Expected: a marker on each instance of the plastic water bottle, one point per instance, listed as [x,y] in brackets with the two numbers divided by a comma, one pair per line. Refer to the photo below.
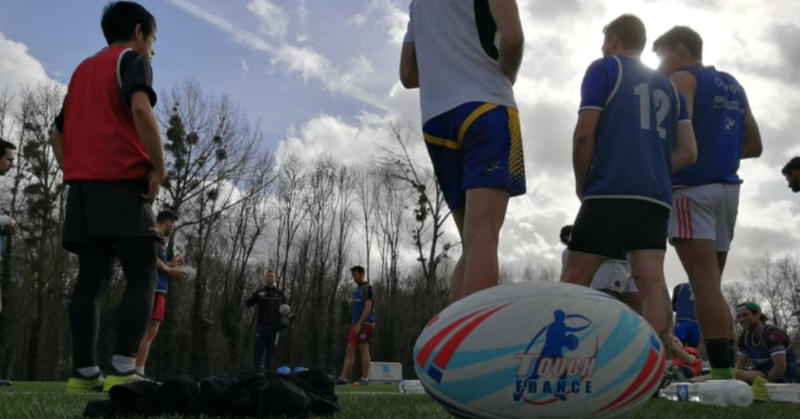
[787,393]
[724,393]
[411,387]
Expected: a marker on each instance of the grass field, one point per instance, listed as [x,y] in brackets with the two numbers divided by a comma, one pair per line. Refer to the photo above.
[47,400]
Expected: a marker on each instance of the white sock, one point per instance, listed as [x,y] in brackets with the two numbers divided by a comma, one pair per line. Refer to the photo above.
[140,370]
[123,363]
[88,371]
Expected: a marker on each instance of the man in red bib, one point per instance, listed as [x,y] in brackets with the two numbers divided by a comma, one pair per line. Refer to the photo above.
[108,144]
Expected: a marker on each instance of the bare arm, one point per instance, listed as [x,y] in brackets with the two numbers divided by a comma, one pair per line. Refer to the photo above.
[506,17]
[741,361]
[687,86]
[751,143]
[147,128]
[409,73]
[57,142]
[685,151]
[685,356]
[366,312]
[583,146]
[778,368]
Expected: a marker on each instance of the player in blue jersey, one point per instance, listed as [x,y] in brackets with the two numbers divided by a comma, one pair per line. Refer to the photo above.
[765,348]
[686,328]
[632,131]
[167,271]
[362,327]
[706,194]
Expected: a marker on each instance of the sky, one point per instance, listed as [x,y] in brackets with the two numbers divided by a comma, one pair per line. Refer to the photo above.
[320,76]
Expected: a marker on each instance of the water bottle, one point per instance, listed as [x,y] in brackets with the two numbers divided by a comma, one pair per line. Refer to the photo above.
[724,393]
[787,393]
[411,387]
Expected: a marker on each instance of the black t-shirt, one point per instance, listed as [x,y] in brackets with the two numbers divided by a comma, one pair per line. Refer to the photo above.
[135,74]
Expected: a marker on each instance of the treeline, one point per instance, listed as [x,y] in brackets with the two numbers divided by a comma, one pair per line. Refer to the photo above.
[242,211]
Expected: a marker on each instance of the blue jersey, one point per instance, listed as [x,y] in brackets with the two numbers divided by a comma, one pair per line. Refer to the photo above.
[163,281]
[633,144]
[683,302]
[773,342]
[720,105]
[357,301]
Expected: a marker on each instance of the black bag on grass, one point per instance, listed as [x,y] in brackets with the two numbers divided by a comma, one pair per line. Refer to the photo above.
[242,394]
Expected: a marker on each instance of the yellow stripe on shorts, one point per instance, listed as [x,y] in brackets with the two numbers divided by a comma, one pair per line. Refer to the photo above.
[516,160]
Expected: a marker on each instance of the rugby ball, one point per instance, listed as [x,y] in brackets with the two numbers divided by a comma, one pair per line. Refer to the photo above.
[190,272]
[539,350]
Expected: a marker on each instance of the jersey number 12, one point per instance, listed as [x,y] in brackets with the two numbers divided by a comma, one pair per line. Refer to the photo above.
[661,99]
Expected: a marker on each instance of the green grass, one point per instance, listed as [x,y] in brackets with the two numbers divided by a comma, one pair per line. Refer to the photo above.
[47,400]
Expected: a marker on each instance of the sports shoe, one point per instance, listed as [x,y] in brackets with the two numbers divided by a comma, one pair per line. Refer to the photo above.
[80,384]
[363,382]
[340,381]
[116,378]
[760,390]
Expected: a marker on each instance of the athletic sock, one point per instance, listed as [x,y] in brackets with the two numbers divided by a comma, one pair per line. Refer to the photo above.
[123,364]
[722,373]
[719,358]
[732,350]
[88,371]
[140,370]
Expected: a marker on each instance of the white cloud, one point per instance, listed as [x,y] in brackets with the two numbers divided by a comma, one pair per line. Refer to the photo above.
[753,42]
[245,67]
[17,66]
[274,21]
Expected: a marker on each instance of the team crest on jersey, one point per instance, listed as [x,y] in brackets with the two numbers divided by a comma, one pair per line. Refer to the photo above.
[548,373]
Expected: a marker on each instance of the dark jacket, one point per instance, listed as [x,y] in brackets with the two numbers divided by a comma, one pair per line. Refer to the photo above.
[268,305]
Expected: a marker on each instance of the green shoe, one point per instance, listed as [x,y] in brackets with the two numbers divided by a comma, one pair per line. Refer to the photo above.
[79,384]
[760,390]
[116,378]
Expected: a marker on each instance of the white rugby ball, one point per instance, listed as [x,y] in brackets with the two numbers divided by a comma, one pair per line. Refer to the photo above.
[539,350]
[190,272]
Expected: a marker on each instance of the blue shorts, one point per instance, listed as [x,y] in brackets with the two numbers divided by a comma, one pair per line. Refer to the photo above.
[688,332]
[476,145]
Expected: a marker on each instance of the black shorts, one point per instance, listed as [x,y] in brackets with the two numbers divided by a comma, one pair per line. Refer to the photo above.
[613,227]
[107,210]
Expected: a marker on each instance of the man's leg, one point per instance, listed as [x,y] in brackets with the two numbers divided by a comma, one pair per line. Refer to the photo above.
[633,300]
[699,259]
[269,345]
[457,282]
[95,266]
[647,266]
[259,345]
[483,217]
[748,375]
[144,346]
[138,259]
[349,356]
[365,359]
[580,268]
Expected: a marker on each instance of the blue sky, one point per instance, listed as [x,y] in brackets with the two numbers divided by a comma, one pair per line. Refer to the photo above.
[190,48]
[320,76]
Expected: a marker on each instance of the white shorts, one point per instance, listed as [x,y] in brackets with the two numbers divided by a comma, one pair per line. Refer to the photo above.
[614,275]
[705,212]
